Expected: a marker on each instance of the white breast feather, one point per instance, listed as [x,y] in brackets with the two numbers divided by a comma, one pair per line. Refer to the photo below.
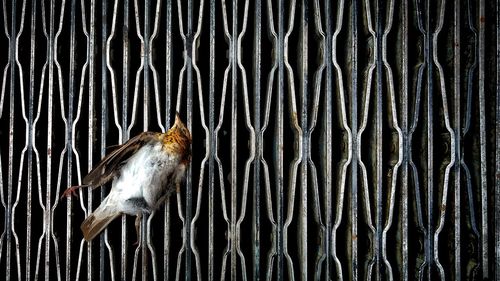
[144,175]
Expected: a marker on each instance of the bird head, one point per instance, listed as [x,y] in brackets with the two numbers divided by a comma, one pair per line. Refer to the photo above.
[180,128]
[178,138]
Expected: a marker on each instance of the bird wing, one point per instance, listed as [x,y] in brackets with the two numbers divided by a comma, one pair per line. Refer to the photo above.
[111,164]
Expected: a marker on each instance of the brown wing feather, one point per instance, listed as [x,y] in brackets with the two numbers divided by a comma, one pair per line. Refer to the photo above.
[110,165]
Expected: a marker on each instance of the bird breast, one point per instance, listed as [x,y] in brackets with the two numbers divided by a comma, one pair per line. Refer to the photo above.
[145,176]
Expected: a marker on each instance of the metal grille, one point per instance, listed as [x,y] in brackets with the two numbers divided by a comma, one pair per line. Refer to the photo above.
[350,140]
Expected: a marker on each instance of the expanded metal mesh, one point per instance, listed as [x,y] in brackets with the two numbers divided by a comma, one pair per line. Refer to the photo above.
[351,140]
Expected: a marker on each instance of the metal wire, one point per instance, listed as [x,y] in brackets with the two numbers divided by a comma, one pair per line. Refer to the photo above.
[358,140]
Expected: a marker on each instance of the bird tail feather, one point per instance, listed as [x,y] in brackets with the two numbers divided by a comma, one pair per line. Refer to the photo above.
[97,221]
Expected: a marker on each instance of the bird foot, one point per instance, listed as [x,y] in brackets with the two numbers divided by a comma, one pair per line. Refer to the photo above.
[71,191]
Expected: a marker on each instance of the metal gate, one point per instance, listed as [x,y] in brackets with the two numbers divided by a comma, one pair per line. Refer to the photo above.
[331,139]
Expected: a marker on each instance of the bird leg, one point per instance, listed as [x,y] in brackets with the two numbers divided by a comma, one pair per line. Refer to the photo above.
[138,219]
[71,191]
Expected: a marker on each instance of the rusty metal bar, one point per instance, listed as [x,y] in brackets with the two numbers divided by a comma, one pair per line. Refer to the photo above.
[302,113]
[212,147]
[168,107]
[91,112]
[354,173]
[103,239]
[256,195]
[405,145]
[457,128]
[482,140]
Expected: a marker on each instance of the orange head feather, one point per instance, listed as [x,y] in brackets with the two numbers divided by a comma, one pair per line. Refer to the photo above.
[178,138]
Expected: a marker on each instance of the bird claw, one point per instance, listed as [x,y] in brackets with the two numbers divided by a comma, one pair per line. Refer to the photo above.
[71,191]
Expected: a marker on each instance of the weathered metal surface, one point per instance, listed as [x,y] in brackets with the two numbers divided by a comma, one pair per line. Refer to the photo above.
[350,140]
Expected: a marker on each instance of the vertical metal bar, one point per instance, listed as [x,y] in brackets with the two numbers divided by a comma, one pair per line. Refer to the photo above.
[429,242]
[227,249]
[106,65]
[184,218]
[144,253]
[168,62]
[69,130]
[29,190]
[150,246]
[406,145]
[106,49]
[125,124]
[2,195]
[186,70]
[442,203]
[50,92]
[125,91]
[378,140]
[74,123]
[213,140]
[318,75]
[234,132]
[42,81]
[373,261]
[457,128]
[145,90]
[12,75]
[189,108]
[168,103]
[151,39]
[91,109]
[257,74]
[483,141]
[146,113]
[297,132]
[278,147]
[140,34]
[166,238]
[471,73]
[12,205]
[353,216]
[273,251]
[393,171]
[303,71]
[201,180]
[25,148]
[53,206]
[104,124]
[327,137]
[251,142]
[416,114]
[137,78]
[348,148]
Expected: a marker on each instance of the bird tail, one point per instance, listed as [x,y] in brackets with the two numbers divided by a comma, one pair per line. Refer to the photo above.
[98,220]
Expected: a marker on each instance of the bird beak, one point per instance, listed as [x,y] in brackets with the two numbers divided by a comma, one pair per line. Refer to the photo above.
[178,120]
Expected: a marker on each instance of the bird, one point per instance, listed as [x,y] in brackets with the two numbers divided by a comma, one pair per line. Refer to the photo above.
[144,171]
